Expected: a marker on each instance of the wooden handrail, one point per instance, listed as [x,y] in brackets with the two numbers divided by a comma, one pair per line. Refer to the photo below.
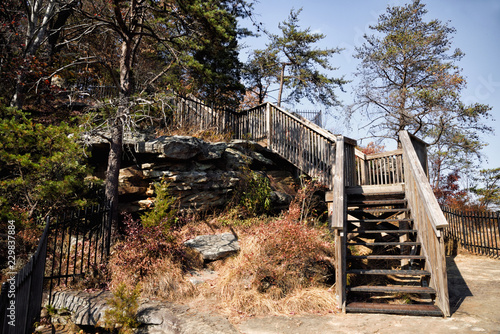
[383,154]
[423,187]
[427,217]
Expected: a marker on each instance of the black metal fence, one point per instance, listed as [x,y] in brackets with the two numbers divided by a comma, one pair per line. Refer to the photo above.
[315,116]
[21,296]
[71,245]
[478,232]
[78,242]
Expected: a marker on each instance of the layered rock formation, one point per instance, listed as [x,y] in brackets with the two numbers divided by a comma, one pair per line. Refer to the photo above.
[201,175]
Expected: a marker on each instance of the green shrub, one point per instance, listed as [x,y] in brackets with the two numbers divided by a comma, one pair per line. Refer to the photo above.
[164,211]
[255,193]
[122,312]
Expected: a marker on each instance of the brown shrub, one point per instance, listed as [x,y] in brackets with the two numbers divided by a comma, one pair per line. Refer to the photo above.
[150,257]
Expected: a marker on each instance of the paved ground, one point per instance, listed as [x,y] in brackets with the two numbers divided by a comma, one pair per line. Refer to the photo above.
[474,285]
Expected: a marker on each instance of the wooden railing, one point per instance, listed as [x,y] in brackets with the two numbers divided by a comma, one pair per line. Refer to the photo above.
[193,113]
[379,168]
[427,215]
[251,124]
[343,176]
[303,143]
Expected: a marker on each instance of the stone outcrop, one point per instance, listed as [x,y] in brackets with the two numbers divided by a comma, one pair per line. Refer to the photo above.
[88,309]
[201,175]
[214,247]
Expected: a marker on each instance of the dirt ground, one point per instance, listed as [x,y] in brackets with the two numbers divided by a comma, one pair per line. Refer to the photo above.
[474,286]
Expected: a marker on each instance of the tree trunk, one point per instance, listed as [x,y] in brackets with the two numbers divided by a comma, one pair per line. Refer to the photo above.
[113,170]
[282,78]
[117,127]
[17,100]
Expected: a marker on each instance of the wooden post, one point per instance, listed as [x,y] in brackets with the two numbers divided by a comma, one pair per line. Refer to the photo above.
[338,221]
[269,126]
[339,185]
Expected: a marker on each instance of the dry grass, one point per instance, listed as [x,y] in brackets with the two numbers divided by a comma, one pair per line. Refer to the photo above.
[281,269]
[209,135]
[302,301]
[167,282]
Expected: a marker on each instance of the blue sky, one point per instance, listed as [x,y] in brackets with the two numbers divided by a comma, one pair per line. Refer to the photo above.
[477,25]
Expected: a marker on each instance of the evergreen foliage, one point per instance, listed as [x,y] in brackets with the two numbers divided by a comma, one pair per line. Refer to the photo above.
[122,312]
[489,193]
[42,168]
[164,211]
[255,197]
[294,62]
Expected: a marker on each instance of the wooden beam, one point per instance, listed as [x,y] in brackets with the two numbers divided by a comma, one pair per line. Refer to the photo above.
[360,154]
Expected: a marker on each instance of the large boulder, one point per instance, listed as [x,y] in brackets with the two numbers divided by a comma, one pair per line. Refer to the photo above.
[214,247]
[172,147]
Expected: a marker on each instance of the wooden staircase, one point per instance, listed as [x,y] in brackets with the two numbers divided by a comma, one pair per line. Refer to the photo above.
[397,239]
[385,265]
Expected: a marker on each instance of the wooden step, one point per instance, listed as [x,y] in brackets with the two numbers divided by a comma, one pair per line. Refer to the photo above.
[408,243]
[389,272]
[391,289]
[388,202]
[395,210]
[361,231]
[386,257]
[408,309]
[404,220]
[376,190]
